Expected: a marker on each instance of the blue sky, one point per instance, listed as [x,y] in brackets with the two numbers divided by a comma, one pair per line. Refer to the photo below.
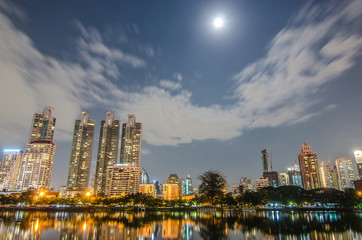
[278,73]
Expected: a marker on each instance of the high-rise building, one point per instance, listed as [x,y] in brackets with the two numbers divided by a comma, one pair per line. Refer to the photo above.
[188,185]
[144,179]
[131,142]
[42,128]
[81,153]
[261,183]
[265,159]
[325,174]
[36,166]
[272,177]
[346,174]
[294,177]
[37,160]
[122,179]
[9,167]
[283,179]
[173,178]
[308,163]
[107,150]
[171,191]
[149,189]
[246,185]
[358,158]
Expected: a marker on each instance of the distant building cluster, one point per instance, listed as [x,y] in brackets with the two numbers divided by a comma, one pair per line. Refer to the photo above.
[308,173]
[32,168]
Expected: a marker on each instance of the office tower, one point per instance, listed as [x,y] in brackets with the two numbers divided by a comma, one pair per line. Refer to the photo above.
[283,179]
[122,179]
[189,185]
[36,166]
[158,187]
[81,153]
[171,191]
[294,177]
[246,185]
[42,128]
[9,167]
[149,189]
[358,158]
[107,150]
[325,174]
[144,179]
[346,174]
[265,158]
[131,142]
[308,163]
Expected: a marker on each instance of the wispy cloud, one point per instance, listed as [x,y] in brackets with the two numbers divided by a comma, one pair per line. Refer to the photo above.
[322,42]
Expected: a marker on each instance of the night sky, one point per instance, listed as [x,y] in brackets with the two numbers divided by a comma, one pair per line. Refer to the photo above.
[276,74]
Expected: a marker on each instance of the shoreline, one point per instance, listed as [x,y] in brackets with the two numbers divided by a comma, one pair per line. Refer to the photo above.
[95,209]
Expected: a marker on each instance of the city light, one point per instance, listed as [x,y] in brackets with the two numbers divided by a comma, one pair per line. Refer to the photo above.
[12,150]
[41,193]
[88,194]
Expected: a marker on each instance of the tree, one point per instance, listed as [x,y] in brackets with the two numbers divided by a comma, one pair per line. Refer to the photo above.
[212,185]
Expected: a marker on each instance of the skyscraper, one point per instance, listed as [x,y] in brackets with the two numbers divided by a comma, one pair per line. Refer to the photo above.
[131,142]
[265,158]
[9,168]
[325,174]
[81,153]
[107,150]
[358,158]
[37,160]
[295,179]
[346,174]
[42,128]
[308,163]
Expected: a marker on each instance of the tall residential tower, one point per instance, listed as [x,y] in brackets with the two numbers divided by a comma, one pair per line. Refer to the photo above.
[81,153]
[37,160]
[107,150]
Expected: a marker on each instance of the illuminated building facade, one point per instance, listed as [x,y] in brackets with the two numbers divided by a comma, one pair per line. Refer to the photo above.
[272,177]
[131,142]
[346,174]
[261,183]
[81,153]
[36,166]
[283,179]
[308,163]
[294,177]
[107,150]
[325,174]
[43,125]
[9,167]
[149,189]
[36,162]
[188,186]
[122,179]
[358,158]
[144,179]
[171,191]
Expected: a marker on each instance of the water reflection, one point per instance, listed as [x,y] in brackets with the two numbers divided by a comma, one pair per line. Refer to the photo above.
[180,225]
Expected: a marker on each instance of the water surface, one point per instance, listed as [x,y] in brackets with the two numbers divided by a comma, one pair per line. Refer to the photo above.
[180,225]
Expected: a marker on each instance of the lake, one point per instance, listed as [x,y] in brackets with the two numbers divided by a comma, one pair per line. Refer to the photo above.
[181,225]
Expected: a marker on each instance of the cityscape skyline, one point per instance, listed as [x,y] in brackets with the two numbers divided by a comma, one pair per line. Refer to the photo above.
[32,168]
[272,76]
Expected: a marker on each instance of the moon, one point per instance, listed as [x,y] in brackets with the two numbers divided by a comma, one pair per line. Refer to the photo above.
[219,22]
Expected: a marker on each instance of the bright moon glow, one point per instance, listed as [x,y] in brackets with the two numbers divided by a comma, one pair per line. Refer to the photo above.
[218,22]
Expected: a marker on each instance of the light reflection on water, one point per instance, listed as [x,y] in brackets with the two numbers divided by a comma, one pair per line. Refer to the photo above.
[180,225]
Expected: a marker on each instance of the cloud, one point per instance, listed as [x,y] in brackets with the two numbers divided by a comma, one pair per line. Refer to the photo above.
[170,84]
[317,46]
[145,151]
